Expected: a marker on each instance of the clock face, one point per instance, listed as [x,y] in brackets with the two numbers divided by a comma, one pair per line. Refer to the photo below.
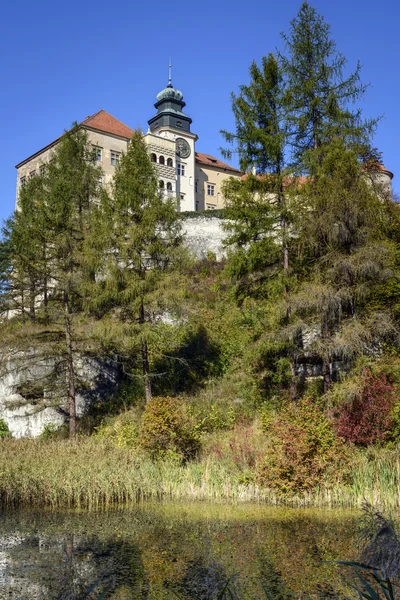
[182,148]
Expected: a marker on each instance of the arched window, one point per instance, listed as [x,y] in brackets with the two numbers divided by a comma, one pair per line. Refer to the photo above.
[161,160]
[153,158]
[169,185]
[161,184]
[169,162]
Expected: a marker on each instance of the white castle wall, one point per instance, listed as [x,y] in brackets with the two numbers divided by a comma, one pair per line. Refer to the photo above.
[203,235]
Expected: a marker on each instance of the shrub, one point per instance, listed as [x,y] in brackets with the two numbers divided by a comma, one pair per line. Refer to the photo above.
[304,452]
[54,431]
[368,418]
[4,431]
[122,431]
[168,430]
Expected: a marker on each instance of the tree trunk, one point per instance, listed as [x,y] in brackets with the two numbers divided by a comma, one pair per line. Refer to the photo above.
[32,296]
[285,248]
[326,359]
[145,365]
[326,371]
[70,374]
[145,361]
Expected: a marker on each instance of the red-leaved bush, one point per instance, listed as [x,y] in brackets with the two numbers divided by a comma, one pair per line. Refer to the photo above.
[304,452]
[367,419]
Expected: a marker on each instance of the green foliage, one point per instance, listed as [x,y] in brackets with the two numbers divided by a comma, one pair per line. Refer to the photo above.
[4,430]
[47,237]
[304,453]
[123,430]
[167,429]
[259,109]
[54,431]
[220,213]
[136,240]
[318,96]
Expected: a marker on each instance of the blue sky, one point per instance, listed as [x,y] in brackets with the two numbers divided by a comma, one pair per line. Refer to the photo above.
[63,61]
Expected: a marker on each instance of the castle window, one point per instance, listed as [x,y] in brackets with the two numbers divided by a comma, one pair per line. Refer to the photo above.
[97,153]
[180,169]
[169,186]
[153,158]
[114,158]
[22,180]
[210,189]
[161,160]
[161,184]
[32,174]
[42,170]
[169,162]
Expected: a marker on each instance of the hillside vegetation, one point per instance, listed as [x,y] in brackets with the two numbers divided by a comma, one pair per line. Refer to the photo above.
[272,375]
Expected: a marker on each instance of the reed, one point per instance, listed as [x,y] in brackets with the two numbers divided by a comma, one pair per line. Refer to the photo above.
[92,473]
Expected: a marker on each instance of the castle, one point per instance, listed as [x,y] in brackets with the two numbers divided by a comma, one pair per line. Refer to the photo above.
[192,177]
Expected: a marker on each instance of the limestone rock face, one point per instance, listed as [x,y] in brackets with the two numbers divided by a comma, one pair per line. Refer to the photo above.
[28,403]
[204,235]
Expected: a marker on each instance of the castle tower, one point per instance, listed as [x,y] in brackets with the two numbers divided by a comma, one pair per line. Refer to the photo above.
[170,123]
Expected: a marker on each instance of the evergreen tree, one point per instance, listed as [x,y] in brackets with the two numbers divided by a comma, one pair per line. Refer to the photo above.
[26,233]
[260,137]
[347,252]
[318,95]
[258,206]
[5,264]
[46,237]
[71,184]
[138,232]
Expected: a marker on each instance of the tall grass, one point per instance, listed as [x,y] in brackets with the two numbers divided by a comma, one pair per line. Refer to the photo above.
[92,473]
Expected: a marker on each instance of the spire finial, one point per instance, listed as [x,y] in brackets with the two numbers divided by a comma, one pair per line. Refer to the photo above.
[170,73]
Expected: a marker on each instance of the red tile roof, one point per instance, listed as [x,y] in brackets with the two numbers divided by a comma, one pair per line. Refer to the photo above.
[211,161]
[374,166]
[103,121]
[100,121]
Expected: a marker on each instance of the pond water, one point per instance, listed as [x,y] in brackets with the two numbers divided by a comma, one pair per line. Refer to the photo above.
[164,551]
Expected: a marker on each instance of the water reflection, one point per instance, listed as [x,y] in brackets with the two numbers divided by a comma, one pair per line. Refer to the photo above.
[159,552]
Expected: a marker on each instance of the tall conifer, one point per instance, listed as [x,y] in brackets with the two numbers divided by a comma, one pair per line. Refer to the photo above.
[139,234]
[319,96]
[47,239]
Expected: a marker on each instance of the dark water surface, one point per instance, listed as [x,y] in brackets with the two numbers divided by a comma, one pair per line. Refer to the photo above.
[164,551]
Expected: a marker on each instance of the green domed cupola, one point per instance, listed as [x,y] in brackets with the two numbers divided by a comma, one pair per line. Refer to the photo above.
[169,92]
[169,107]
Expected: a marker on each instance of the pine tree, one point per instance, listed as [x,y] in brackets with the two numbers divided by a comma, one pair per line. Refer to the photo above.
[258,206]
[345,243]
[71,184]
[26,233]
[319,97]
[260,137]
[138,232]
[5,264]
[47,237]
